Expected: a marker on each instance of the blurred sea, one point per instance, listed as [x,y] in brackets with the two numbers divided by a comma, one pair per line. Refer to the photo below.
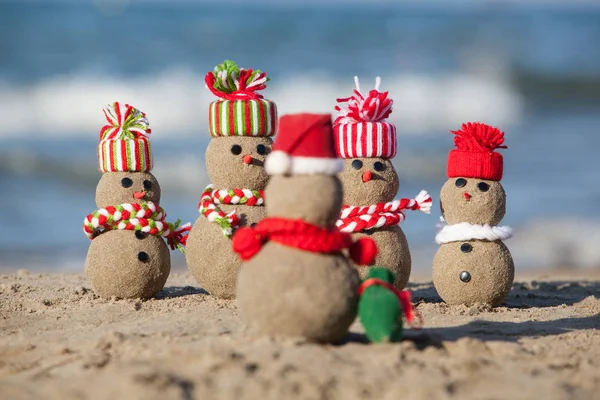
[531,69]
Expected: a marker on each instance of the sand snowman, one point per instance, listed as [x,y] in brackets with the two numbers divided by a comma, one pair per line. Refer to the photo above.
[367,143]
[296,280]
[472,264]
[241,124]
[128,257]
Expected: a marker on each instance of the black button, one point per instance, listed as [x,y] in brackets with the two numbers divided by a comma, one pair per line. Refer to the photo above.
[126,182]
[261,149]
[252,225]
[484,187]
[143,256]
[466,247]
[140,235]
[368,232]
[357,164]
[236,149]
[465,276]
[147,185]
[378,166]
[460,182]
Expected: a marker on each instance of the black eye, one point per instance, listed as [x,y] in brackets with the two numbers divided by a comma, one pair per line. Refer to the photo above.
[141,235]
[143,256]
[484,187]
[147,185]
[466,248]
[261,149]
[460,182]
[236,149]
[368,232]
[126,182]
[357,164]
[465,276]
[378,166]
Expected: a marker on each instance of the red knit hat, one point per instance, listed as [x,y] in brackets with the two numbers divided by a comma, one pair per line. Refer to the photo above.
[361,130]
[474,156]
[304,145]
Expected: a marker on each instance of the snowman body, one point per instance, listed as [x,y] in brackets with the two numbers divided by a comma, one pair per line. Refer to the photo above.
[128,256]
[367,142]
[285,291]
[124,265]
[297,279]
[241,123]
[231,162]
[369,181]
[473,265]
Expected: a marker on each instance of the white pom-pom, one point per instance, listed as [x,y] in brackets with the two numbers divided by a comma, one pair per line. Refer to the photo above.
[278,163]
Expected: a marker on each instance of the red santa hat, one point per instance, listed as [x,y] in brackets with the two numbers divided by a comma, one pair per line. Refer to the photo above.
[361,130]
[304,146]
[474,156]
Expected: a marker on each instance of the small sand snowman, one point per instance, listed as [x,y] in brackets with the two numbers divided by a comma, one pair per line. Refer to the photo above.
[296,280]
[367,143]
[241,124]
[128,257]
[472,264]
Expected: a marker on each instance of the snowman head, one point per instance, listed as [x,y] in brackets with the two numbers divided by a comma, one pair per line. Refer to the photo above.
[234,162]
[127,187]
[473,192]
[369,181]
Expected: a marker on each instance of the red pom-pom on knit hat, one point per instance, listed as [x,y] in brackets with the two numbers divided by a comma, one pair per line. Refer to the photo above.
[474,156]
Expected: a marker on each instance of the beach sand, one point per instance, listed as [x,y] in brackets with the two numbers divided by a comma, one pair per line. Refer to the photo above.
[60,341]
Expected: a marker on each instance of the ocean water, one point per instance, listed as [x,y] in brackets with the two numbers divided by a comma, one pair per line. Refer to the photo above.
[532,70]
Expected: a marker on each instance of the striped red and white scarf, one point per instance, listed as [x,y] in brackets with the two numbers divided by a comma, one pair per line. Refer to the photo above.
[210,199]
[358,219]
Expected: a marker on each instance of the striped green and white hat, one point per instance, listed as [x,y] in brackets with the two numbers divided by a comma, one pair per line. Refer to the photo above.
[124,145]
[240,111]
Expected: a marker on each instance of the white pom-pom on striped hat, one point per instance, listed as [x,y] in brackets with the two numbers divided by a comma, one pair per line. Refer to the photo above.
[124,145]
[361,129]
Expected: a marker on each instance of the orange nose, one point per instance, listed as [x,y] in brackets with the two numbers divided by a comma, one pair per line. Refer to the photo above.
[247,159]
[139,195]
[467,196]
[367,176]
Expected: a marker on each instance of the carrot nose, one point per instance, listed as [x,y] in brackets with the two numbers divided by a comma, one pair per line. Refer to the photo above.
[367,176]
[247,159]
[139,195]
[467,196]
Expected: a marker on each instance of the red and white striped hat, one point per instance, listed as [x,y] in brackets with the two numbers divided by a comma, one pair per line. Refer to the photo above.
[361,130]
[124,145]
[241,110]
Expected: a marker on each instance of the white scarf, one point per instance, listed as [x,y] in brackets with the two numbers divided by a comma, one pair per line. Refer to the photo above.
[465,231]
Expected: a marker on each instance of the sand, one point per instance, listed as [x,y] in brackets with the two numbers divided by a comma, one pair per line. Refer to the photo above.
[60,341]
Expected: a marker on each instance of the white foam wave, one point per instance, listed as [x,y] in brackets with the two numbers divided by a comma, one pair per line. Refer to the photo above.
[558,242]
[177,102]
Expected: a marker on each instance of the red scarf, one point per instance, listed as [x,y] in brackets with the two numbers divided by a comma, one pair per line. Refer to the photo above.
[296,233]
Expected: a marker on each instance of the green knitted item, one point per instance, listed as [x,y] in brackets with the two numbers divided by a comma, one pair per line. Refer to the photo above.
[379,309]
[228,75]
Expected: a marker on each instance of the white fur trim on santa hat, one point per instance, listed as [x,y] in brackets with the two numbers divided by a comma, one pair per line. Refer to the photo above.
[465,231]
[280,163]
